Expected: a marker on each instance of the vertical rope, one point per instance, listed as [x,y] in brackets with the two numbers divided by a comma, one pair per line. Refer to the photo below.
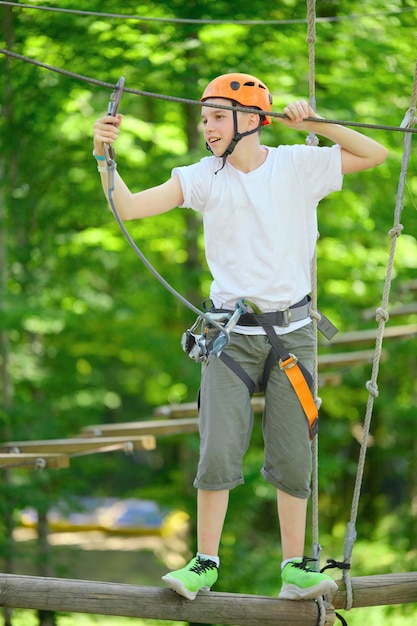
[313,141]
[382,317]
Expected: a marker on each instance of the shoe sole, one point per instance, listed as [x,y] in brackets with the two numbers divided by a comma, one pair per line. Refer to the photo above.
[292,592]
[177,585]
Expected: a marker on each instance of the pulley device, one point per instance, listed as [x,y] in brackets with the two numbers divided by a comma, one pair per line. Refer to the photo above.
[196,346]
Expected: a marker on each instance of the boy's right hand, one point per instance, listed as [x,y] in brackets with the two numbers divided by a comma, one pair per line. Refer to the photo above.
[106,130]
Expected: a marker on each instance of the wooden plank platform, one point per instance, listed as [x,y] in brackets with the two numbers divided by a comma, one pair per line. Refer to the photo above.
[34,461]
[158,428]
[385,589]
[80,445]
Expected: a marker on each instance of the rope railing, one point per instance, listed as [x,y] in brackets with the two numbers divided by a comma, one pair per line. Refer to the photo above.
[382,317]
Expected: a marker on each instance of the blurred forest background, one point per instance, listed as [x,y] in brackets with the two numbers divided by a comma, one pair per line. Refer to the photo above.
[89,336]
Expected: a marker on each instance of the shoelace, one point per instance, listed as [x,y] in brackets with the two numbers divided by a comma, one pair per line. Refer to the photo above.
[202,566]
[303,565]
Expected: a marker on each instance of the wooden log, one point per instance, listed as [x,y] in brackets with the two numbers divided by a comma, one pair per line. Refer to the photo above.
[189,409]
[343,359]
[158,428]
[79,445]
[81,596]
[404,309]
[34,461]
[359,336]
[378,590]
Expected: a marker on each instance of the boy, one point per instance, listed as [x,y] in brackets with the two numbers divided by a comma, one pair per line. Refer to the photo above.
[259,211]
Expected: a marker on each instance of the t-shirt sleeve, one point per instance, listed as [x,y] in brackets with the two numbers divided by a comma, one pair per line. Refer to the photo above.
[319,169]
[195,183]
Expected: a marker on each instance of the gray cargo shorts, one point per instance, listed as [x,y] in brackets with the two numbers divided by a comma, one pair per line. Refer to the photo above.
[226,417]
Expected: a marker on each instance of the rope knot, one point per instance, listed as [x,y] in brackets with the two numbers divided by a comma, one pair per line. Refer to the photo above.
[382,315]
[372,388]
[314,314]
[395,230]
[312,139]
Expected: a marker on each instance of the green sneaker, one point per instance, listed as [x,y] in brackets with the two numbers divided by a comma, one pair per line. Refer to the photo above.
[302,583]
[199,575]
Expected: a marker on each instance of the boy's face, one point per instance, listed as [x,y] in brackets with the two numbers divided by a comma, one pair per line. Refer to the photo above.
[218,125]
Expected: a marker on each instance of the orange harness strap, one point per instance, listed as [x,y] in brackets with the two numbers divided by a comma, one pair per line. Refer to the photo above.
[298,381]
[299,377]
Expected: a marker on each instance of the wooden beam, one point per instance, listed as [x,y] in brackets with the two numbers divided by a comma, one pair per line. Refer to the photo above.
[79,445]
[81,596]
[404,309]
[86,596]
[34,461]
[359,336]
[158,428]
[379,590]
[408,285]
[344,359]
[189,409]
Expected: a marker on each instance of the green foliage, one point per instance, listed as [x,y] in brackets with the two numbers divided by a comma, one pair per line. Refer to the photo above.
[94,338]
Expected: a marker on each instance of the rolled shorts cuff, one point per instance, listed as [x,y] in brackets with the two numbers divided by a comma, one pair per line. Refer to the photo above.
[198,484]
[304,494]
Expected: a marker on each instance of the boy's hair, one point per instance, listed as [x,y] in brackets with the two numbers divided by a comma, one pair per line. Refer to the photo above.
[243,89]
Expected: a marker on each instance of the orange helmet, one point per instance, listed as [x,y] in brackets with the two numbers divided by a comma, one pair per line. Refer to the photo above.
[245,89]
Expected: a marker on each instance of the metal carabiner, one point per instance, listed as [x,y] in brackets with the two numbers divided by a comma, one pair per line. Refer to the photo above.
[112,110]
[222,340]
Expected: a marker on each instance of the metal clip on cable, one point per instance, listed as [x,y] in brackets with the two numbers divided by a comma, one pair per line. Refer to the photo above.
[112,110]
[222,340]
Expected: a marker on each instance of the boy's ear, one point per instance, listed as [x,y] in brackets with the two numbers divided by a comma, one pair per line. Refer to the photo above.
[254,120]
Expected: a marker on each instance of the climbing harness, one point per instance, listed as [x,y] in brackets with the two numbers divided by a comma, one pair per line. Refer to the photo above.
[198,348]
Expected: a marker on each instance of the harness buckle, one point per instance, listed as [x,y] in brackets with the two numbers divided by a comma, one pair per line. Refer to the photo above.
[288,363]
[286,317]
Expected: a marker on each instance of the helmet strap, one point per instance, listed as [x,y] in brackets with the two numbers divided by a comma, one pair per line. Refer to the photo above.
[236,137]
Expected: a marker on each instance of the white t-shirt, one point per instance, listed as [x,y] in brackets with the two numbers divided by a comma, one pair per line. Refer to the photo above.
[260,228]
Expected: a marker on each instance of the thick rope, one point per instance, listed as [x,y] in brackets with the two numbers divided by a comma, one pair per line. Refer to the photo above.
[321,621]
[312,140]
[311,40]
[382,317]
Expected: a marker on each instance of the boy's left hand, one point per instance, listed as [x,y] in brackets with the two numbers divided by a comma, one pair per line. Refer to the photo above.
[297,112]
